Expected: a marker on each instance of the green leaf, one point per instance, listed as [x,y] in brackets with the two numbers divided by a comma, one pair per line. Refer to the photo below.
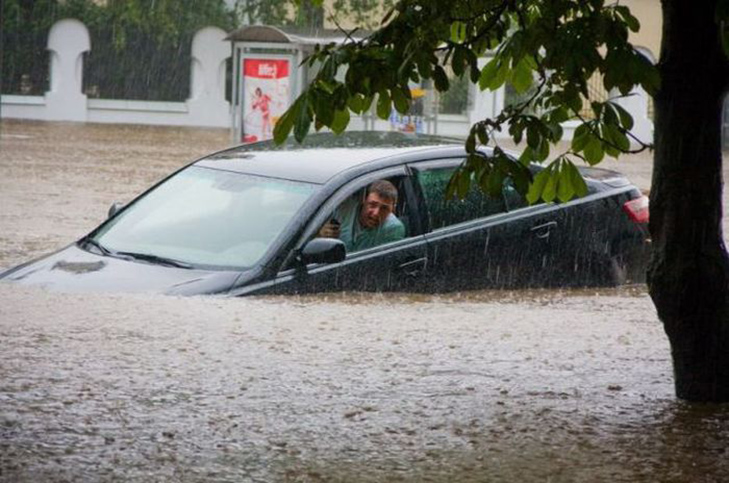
[521,176]
[495,183]
[516,130]
[464,184]
[522,77]
[559,115]
[440,78]
[356,103]
[550,186]
[303,119]
[456,32]
[341,121]
[482,133]
[329,70]
[527,156]
[534,137]
[593,151]
[285,123]
[580,138]
[573,100]
[323,107]
[628,18]
[578,182]
[535,190]
[565,190]
[471,142]
[402,104]
[384,106]
[618,138]
[488,73]
[493,74]
[556,132]
[626,120]
[458,64]
[367,103]
[542,151]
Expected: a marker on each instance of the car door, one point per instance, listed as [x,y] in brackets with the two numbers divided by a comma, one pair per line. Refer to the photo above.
[396,266]
[479,241]
[540,232]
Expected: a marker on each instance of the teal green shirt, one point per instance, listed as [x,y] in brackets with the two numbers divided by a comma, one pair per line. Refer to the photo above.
[356,238]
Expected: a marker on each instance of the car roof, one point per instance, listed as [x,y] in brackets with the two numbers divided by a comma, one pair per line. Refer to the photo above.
[322,156]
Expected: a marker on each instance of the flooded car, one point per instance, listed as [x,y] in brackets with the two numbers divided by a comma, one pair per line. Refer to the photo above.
[249,220]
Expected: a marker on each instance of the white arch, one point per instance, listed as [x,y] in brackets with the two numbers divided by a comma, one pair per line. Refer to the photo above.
[68,39]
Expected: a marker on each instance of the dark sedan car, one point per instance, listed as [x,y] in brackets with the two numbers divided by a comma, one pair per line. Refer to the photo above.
[246,220]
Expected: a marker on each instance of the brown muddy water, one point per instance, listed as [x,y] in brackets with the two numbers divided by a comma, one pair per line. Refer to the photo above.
[548,386]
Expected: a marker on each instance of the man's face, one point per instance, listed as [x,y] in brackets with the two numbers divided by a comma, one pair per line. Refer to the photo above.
[374,210]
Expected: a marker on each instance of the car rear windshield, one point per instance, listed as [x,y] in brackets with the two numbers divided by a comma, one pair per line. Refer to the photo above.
[207,217]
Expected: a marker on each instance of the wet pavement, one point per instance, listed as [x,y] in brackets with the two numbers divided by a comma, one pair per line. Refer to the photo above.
[540,385]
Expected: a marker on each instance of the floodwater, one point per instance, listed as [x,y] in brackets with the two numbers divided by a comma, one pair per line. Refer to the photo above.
[540,385]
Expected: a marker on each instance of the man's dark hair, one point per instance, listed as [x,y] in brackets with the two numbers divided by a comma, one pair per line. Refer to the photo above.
[383,189]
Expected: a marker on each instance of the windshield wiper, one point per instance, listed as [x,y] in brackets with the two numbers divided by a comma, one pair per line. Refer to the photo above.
[154,259]
[97,245]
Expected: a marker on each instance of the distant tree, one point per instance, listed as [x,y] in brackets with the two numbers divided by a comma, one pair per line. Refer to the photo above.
[551,49]
[310,13]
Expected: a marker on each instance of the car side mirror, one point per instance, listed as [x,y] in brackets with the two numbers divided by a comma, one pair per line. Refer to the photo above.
[323,250]
[115,208]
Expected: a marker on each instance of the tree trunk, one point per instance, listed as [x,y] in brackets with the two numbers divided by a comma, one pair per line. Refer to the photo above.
[688,276]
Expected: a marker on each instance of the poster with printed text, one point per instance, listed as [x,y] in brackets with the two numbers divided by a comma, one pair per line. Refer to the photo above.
[266,94]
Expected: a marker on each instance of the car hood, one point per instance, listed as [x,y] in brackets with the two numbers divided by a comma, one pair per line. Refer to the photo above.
[74,270]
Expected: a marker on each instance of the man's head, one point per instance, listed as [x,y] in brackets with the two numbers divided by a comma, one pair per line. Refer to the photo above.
[378,204]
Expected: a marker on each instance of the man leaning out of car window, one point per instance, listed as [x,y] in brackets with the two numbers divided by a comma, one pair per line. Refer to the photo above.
[362,224]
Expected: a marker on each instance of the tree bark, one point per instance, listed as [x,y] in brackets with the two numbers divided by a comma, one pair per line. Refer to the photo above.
[688,276]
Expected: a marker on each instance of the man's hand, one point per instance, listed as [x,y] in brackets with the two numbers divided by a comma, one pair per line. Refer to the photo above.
[330,229]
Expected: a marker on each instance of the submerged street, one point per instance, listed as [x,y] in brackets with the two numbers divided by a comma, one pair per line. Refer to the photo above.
[539,385]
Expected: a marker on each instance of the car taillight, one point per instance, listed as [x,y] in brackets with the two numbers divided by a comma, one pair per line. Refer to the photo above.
[637,209]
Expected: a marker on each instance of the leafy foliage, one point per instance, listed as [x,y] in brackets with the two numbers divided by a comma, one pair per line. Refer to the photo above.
[547,48]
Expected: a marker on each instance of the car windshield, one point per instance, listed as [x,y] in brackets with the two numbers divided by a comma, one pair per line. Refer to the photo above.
[208,217]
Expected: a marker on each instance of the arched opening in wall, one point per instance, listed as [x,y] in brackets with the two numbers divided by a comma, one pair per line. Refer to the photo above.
[26,62]
[140,66]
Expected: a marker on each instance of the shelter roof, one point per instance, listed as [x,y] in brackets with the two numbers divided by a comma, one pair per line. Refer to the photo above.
[292,35]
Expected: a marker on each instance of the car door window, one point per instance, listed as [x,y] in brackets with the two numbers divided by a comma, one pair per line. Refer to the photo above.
[353,192]
[388,264]
[443,212]
[372,214]
[514,199]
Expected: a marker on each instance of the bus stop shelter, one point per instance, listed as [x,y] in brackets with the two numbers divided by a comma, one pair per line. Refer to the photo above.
[268,74]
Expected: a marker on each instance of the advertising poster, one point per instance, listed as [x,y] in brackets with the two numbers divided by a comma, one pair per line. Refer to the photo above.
[266,91]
